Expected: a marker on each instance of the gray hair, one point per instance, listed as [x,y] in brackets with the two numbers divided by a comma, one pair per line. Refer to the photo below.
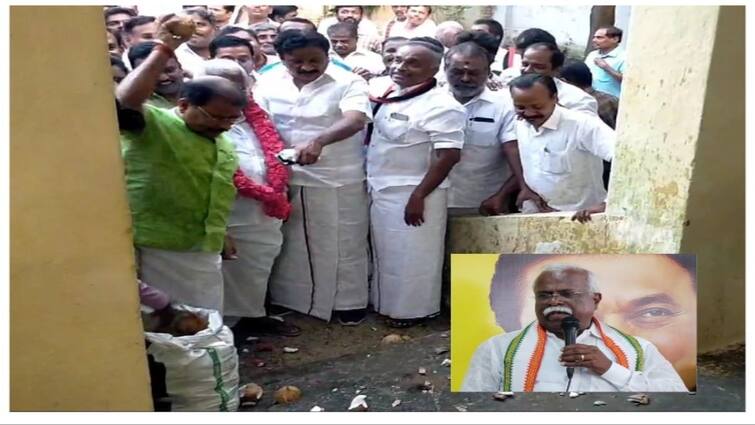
[227,69]
[264,26]
[448,25]
[560,270]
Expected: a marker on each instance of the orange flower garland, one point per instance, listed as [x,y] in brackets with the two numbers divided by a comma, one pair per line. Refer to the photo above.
[273,196]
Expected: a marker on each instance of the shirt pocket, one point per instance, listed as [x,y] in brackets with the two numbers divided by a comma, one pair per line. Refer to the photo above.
[481,132]
[394,126]
[555,157]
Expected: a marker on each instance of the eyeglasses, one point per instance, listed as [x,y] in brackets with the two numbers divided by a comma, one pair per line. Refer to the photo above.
[565,295]
[225,120]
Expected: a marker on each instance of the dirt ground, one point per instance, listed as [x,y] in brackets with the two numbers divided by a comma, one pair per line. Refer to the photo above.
[334,363]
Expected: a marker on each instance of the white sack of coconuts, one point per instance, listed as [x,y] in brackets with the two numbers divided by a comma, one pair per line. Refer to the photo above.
[201,370]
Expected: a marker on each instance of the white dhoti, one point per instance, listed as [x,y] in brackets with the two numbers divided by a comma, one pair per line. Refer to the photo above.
[192,278]
[408,261]
[323,263]
[258,242]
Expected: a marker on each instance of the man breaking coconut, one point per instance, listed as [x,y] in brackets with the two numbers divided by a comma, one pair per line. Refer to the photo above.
[179,173]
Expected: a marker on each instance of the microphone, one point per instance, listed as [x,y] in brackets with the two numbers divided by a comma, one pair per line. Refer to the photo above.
[570,326]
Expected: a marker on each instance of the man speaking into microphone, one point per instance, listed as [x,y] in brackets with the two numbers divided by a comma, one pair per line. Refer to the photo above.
[537,357]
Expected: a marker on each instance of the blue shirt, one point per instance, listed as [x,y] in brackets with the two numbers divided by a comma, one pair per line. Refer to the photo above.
[602,80]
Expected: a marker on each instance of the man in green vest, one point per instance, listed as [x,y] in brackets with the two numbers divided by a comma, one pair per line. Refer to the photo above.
[179,174]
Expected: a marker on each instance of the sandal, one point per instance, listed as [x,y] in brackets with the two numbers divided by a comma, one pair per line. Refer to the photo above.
[403,323]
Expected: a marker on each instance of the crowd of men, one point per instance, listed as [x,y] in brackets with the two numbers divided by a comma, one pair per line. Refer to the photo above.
[392,131]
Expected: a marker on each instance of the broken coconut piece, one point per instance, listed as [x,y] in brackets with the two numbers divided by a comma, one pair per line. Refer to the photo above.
[446,362]
[358,404]
[250,394]
[290,349]
[287,394]
[639,399]
[599,403]
[503,395]
[395,403]
[391,339]
[573,394]
[317,409]
[444,335]
[441,350]
[252,338]
[461,408]
[422,371]
[426,386]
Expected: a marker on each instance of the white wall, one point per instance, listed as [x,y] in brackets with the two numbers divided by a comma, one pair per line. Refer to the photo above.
[569,24]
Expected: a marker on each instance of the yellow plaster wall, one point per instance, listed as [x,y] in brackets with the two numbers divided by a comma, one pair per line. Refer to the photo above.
[716,205]
[76,337]
[680,155]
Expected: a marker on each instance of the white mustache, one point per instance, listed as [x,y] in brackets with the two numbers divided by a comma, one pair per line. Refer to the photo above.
[557,309]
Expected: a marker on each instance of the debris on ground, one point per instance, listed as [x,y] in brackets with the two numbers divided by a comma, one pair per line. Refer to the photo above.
[263,346]
[290,349]
[639,399]
[422,371]
[358,404]
[317,409]
[395,403]
[391,339]
[287,394]
[250,394]
[599,403]
[444,335]
[574,394]
[446,363]
[252,338]
[426,387]
[441,350]
[461,408]
[503,395]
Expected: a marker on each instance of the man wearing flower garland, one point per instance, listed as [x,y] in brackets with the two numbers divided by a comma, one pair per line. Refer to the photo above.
[179,173]
[261,206]
[320,110]
[536,358]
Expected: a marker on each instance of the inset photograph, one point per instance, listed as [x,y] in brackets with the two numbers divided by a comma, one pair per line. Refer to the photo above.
[573,323]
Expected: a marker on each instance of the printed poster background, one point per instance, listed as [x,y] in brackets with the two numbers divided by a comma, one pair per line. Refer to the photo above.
[653,296]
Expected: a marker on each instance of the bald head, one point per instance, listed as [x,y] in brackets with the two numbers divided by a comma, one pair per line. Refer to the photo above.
[227,69]
[416,62]
[202,90]
[447,31]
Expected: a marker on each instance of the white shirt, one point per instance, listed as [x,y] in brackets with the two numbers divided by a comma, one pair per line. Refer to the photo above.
[500,57]
[189,59]
[576,99]
[483,168]
[300,116]
[406,134]
[425,29]
[569,96]
[271,59]
[361,58]
[246,210]
[366,31]
[562,160]
[379,85]
[486,367]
